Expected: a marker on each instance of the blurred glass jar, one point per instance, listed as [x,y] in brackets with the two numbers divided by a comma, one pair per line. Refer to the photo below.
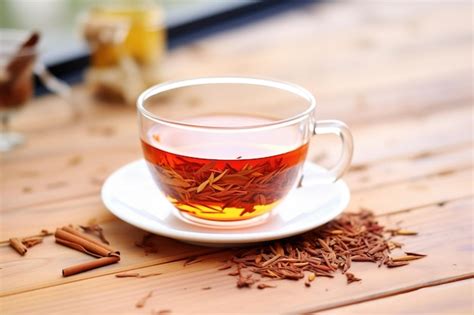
[127,42]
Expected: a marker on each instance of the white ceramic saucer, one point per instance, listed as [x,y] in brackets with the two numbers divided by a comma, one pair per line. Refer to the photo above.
[131,194]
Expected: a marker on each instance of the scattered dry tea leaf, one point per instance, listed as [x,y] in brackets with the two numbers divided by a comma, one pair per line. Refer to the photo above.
[351,278]
[321,252]
[407,258]
[32,241]
[192,260]
[206,288]
[394,264]
[149,244]
[245,281]
[46,232]
[96,230]
[415,254]
[161,312]
[395,232]
[136,275]
[227,265]
[141,303]
[150,275]
[127,275]
[262,286]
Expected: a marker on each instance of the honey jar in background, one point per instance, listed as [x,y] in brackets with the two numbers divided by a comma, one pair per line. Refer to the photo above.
[127,44]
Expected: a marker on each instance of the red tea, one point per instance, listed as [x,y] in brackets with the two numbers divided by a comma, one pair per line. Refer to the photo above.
[227,189]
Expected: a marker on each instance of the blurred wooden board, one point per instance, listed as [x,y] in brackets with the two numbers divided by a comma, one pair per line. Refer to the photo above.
[450,298]
[397,75]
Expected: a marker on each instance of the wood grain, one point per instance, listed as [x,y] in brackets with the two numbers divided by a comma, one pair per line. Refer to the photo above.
[402,81]
[403,196]
[180,283]
[451,298]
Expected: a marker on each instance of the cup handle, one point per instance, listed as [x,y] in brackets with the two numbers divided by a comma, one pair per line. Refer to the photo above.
[339,128]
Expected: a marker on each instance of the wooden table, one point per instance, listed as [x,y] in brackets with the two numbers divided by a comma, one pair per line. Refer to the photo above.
[399,74]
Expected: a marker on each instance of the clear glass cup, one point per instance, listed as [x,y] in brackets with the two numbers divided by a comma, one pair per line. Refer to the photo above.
[18,62]
[16,82]
[225,151]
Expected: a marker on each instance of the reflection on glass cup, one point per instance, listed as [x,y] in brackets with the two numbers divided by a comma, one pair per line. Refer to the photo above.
[225,151]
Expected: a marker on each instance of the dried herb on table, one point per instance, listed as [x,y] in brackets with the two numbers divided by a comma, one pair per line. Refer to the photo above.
[192,260]
[136,275]
[32,241]
[149,244]
[127,275]
[97,230]
[21,245]
[351,278]
[142,301]
[321,252]
[262,286]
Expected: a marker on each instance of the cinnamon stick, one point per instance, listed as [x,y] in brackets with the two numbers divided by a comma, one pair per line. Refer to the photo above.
[84,242]
[18,246]
[76,247]
[104,261]
[32,241]
[82,235]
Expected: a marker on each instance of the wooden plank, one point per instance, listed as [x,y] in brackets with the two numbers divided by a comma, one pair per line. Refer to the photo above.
[451,298]
[439,228]
[408,137]
[42,264]
[362,177]
[382,200]
[415,193]
[350,53]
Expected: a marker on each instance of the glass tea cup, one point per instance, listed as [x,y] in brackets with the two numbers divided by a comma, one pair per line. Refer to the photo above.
[19,60]
[16,82]
[225,151]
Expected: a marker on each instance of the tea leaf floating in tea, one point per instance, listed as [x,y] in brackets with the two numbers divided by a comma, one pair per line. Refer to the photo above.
[224,190]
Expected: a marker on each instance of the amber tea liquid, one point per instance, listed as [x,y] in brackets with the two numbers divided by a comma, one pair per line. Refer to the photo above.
[228,180]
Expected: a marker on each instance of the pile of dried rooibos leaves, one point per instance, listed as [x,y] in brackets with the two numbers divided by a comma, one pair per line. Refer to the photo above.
[321,252]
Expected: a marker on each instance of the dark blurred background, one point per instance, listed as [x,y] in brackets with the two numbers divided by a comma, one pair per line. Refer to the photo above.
[66,54]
